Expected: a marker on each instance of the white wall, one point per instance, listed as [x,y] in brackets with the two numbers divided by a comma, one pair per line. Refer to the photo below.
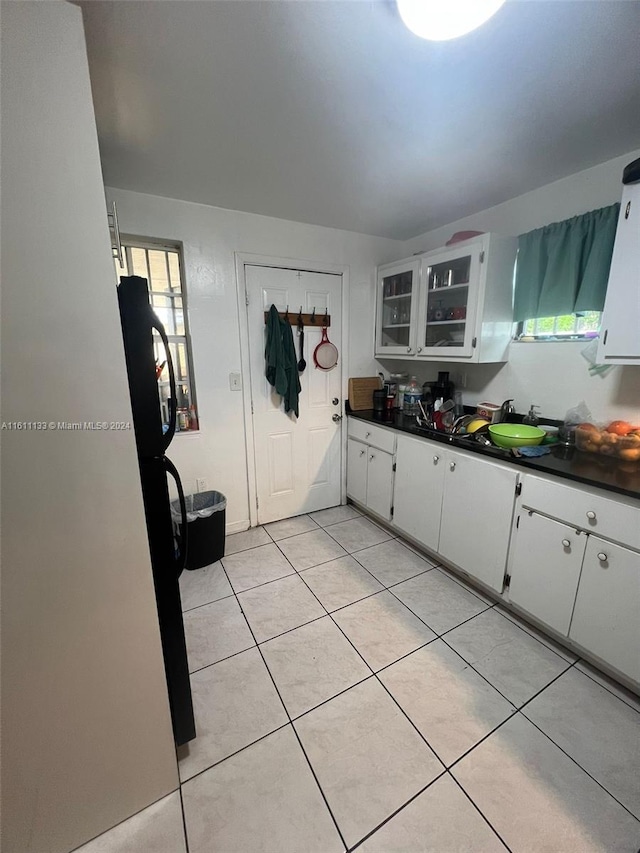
[552,375]
[86,733]
[211,236]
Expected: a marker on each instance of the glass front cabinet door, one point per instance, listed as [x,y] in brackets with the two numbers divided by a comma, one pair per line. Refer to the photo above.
[450,304]
[397,308]
[447,317]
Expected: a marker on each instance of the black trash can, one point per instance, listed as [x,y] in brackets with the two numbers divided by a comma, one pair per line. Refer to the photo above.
[206,512]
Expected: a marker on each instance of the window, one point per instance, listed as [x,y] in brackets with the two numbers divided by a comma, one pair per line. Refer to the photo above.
[561,277]
[162,266]
[567,327]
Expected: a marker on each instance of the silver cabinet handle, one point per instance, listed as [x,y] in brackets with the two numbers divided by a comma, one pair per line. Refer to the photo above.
[336,418]
[591,515]
[362,452]
[335,401]
[602,557]
[409,349]
[566,543]
[372,456]
[436,459]
[367,434]
[419,349]
[452,466]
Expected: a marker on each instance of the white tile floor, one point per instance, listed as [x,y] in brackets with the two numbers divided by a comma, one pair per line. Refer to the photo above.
[350,694]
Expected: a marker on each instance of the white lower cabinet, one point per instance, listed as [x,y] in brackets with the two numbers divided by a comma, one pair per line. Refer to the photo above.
[606,618]
[420,469]
[477,510]
[370,477]
[380,482]
[579,582]
[456,504]
[544,566]
[357,471]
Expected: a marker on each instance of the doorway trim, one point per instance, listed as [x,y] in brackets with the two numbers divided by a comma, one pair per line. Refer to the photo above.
[243,259]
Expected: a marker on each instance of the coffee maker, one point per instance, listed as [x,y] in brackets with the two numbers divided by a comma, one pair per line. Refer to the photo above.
[441,387]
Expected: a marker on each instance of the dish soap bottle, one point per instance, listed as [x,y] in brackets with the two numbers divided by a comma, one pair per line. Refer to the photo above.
[411,397]
[531,417]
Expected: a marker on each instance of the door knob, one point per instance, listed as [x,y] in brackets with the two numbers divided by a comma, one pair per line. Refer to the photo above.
[335,401]
[336,418]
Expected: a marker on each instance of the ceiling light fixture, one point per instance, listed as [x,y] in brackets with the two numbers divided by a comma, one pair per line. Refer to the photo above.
[440,20]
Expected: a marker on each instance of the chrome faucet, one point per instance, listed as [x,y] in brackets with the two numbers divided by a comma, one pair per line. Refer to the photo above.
[506,409]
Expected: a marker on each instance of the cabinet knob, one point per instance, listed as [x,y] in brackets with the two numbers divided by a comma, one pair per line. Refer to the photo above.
[452,466]
[602,557]
[566,543]
[591,515]
[409,349]
[372,456]
[367,434]
[362,452]
[419,349]
[436,459]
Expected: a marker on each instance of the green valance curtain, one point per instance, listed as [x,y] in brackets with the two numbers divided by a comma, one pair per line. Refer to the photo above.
[563,268]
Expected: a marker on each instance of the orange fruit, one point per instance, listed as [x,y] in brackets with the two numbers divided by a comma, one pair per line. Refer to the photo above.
[619,427]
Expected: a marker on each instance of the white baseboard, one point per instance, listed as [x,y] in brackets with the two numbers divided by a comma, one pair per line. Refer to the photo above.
[237,526]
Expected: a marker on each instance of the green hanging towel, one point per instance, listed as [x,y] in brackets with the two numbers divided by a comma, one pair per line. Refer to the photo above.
[281,361]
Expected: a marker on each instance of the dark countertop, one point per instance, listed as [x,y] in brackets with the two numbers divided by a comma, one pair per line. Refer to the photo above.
[601,472]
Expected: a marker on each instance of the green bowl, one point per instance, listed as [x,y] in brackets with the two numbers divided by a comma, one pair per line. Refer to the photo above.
[516,435]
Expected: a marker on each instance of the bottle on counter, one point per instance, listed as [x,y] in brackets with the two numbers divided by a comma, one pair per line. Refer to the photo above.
[531,417]
[412,394]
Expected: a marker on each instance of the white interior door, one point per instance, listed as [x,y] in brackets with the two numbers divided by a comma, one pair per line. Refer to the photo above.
[298,460]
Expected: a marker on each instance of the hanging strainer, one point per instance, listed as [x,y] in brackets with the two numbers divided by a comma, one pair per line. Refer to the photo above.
[325,355]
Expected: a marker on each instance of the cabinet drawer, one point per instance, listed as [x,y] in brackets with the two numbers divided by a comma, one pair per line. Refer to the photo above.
[609,517]
[383,439]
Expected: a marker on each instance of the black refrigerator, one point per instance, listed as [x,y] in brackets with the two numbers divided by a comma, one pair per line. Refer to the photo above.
[140,326]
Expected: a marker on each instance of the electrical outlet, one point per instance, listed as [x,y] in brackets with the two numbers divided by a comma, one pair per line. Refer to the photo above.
[462,380]
[201,484]
[235,381]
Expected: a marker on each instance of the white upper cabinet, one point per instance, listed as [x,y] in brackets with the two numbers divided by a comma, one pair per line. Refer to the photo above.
[453,304]
[397,308]
[620,329]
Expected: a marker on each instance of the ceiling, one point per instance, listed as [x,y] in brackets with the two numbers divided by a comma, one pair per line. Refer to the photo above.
[332,113]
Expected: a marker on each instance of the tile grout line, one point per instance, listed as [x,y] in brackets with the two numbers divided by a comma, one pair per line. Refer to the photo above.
[595,681]
[403,712]
[184,817]
[577,763]
[326,802]
[447,770]
[374,675]
[396,812]
[234,753]
[477,808]
[506,720]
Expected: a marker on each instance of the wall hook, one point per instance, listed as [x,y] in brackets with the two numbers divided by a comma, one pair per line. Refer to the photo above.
[313,315]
